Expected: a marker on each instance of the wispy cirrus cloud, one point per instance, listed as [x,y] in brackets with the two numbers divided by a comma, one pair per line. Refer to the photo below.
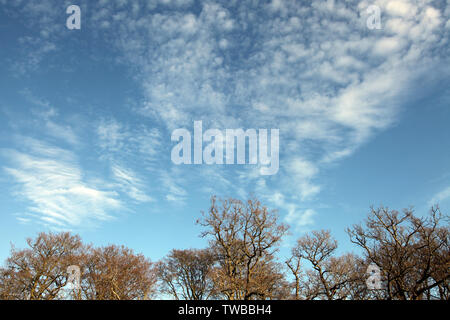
[46,117]
[130,183]
[52,181]
[61,193]
[300,219]
[315,71]
[60,131]
[119,140]
[172,182]
[439,197]
[124,147]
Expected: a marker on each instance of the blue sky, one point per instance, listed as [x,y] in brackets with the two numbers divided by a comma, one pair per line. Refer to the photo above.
[86,115]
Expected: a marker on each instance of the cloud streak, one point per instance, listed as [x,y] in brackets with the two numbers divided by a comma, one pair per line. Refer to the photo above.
[51,179]
[441,196]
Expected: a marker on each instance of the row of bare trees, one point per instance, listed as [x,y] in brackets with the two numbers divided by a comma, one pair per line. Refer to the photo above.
[40,272]
[411,254]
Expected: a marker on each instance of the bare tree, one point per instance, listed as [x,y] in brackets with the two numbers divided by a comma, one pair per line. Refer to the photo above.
[245,236]
[269,281]
[186,274]
[412,252]
[40,271]
[330,277]
[117,273]
[294,264]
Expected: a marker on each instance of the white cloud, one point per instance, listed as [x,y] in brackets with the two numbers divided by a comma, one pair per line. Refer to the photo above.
[336,89]
[123,146]
[441,196]
[401,8]
[316,72]
[52,181]
[47,115]
[172,182]
[111,136]
[300,218]
[301,174]
[119,140]
[130,183]
[388,45]
[61,132]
